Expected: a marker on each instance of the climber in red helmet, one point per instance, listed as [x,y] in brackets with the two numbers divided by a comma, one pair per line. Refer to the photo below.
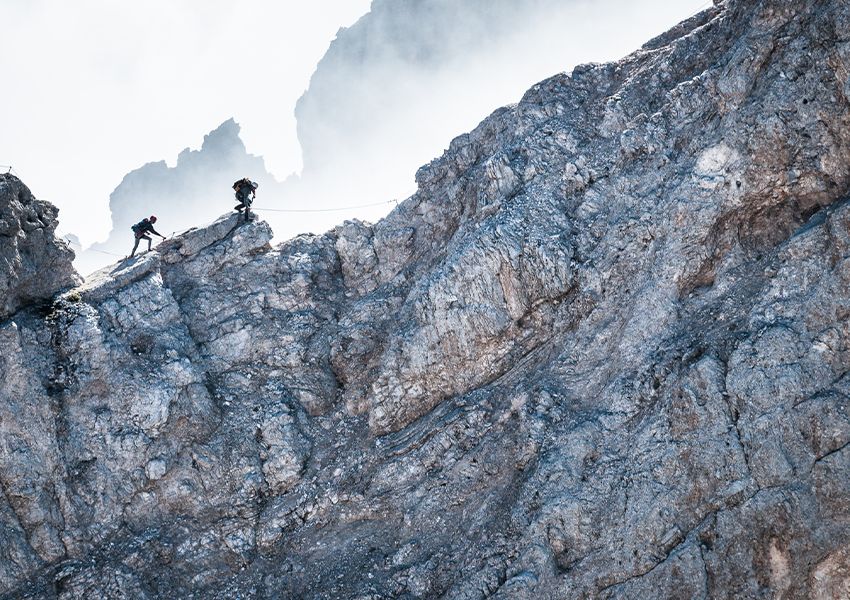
[141,229]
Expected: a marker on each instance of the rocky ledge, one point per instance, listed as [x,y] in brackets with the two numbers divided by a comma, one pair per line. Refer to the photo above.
[601,353]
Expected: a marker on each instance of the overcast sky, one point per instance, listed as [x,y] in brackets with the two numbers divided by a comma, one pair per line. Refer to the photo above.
[94,88]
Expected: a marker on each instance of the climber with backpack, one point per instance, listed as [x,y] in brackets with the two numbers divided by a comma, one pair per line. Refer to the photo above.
[246,191]
[141,229]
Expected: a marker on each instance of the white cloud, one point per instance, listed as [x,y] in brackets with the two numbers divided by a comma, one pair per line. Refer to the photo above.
[94,89]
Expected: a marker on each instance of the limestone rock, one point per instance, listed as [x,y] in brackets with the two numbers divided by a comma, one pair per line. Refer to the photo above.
[601,353]
[35,264]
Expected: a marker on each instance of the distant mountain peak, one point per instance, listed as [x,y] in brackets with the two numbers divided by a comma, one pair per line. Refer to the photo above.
[191,193]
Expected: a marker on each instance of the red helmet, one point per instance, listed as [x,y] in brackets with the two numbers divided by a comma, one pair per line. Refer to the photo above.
[153,219]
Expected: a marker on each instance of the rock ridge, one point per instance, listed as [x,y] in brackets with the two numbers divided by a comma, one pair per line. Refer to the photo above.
[602,352]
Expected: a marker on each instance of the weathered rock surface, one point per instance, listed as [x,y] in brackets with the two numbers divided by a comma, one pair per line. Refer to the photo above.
[601,353]
[34,264]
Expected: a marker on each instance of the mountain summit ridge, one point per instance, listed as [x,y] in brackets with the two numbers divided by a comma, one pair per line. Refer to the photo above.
[602,352]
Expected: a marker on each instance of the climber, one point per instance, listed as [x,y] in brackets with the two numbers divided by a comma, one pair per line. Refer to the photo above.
[141,229]
[246,191]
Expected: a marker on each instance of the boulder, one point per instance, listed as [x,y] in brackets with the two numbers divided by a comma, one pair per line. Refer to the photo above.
[34,263]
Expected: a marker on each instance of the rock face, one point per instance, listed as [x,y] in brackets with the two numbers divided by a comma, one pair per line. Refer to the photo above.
[34,265]
[601,353]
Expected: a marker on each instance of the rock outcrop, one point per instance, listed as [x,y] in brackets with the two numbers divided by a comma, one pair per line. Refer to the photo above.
[34,264]
[601,353]
[195,190]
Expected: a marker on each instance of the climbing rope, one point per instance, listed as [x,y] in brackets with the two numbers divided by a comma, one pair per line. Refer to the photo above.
[182,231]
[73,243]
[698,10]
[406,194]
[67,240]
[309,210]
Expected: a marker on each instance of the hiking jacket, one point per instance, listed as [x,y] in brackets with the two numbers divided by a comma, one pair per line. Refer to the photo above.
[146,227]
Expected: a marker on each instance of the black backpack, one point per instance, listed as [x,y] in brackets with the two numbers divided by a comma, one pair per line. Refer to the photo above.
[139,226]
[240,183]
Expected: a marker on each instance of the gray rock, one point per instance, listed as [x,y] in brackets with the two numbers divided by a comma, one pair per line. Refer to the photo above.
[601,353]
[35,264]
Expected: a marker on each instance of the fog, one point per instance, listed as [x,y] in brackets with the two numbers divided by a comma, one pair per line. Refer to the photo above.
[192,193]
[94,89]
[395,88]
[113,103]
